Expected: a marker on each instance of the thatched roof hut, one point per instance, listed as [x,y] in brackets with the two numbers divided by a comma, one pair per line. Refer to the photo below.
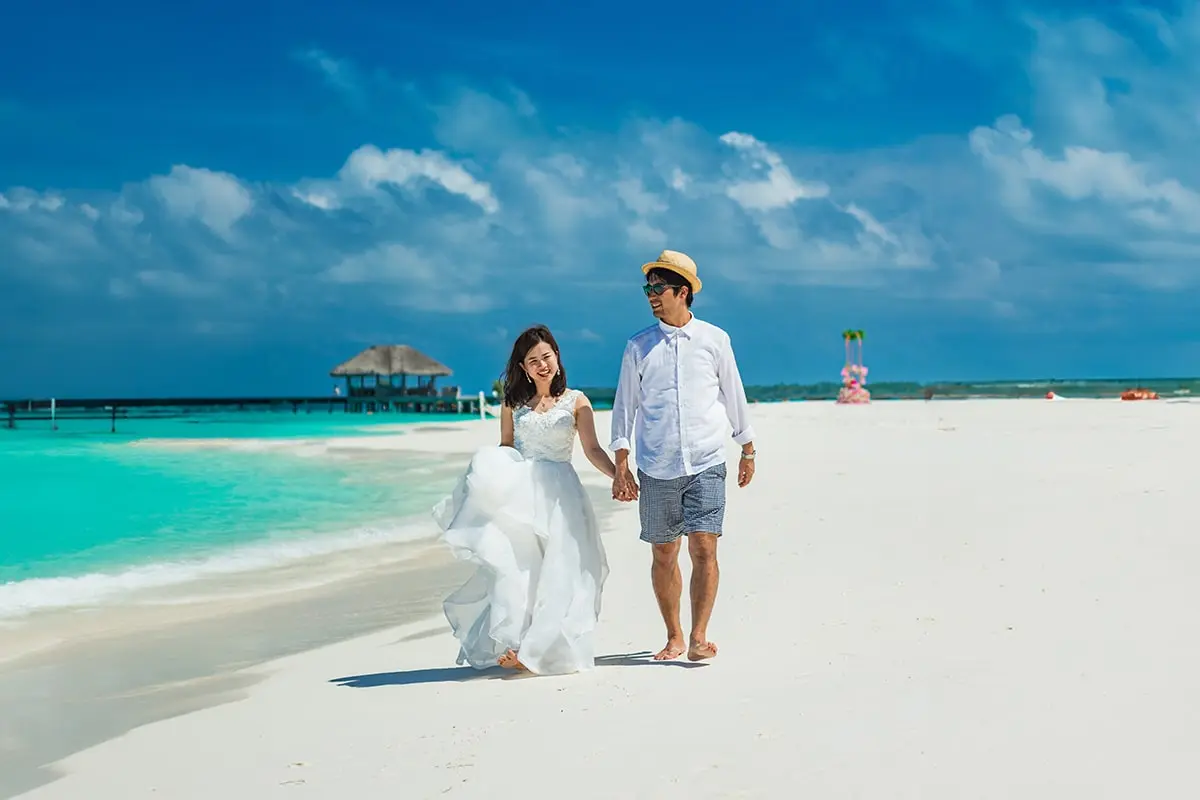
[385,360]
[374,371]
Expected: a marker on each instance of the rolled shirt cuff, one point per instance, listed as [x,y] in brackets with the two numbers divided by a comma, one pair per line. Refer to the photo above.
[619,444]
[745,437]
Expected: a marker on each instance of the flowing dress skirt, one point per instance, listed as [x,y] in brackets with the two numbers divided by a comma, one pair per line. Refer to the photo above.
[531,529]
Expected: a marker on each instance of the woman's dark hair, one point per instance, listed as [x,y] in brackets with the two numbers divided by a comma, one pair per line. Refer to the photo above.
[518,388]
[674,280]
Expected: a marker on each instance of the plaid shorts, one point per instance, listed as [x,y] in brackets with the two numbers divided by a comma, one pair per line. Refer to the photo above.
[677,506]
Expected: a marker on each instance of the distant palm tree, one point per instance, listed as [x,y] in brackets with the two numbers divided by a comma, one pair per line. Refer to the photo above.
[850,335]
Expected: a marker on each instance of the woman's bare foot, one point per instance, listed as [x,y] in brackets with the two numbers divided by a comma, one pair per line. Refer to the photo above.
[674,649]
[698,651]
[510,661]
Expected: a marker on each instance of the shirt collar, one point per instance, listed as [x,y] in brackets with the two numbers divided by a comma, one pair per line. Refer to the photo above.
[685,330]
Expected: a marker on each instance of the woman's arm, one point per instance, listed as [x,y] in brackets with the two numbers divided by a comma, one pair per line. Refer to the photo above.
[585,423]
[506,426]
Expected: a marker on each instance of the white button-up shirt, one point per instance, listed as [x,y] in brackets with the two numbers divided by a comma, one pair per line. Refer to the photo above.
[678,395]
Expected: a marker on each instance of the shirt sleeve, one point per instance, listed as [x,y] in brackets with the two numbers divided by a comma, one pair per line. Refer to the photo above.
[733,395]
[625,403]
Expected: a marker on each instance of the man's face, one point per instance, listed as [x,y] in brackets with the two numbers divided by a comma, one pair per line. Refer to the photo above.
[666,302]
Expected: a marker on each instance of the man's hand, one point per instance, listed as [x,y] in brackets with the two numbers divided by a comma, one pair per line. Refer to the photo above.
[746,468]
[624,487]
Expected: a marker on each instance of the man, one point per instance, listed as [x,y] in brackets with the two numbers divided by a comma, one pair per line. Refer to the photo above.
[679,387]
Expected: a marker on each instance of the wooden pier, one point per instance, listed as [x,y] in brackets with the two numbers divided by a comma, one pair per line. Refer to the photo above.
[112,409]
[377,382]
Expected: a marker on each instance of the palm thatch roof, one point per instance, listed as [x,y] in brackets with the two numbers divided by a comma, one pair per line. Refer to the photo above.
[391,359]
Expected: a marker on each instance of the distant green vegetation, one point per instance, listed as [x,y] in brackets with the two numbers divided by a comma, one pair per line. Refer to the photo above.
[949,390]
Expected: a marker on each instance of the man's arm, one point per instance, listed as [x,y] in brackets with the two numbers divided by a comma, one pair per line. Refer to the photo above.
[625,402]
[624,417]
[733,397]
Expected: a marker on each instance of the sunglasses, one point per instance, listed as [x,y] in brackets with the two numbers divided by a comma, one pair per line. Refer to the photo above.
[656,289]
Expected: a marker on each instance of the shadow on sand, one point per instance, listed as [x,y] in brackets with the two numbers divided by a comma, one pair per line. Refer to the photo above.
[643,658]
[461,674]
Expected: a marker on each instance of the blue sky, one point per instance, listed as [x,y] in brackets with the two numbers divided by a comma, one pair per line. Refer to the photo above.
[232,197]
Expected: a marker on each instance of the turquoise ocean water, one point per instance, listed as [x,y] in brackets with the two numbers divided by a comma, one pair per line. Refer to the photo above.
[86,514]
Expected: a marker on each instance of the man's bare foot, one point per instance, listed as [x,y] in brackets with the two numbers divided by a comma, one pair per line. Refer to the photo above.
[674,649]
[698,651]
[510,661]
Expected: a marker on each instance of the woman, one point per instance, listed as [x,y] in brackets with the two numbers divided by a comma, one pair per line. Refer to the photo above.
[522,515]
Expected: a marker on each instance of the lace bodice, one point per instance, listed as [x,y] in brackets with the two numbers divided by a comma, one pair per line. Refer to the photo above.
[547,435]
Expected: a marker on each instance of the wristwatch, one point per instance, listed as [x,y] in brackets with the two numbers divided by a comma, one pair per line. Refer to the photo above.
[749,456]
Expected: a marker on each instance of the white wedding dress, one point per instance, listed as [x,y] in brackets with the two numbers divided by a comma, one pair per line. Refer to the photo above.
[520,513]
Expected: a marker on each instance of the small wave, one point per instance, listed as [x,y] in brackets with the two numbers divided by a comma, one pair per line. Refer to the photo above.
[21,598]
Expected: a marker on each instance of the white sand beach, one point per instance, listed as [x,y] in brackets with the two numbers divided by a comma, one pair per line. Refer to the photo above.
[980,599]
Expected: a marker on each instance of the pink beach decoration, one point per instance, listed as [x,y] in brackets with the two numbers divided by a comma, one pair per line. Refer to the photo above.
[854,374]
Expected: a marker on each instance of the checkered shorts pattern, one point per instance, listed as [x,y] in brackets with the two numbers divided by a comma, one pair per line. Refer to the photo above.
[677,506]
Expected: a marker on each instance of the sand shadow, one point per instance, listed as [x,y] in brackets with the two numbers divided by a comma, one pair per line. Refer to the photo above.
[413,677]
[643,658]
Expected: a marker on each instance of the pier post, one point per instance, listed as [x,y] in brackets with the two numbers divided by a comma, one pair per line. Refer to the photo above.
[53,414]
[113,427]
[12,415]
[482,407]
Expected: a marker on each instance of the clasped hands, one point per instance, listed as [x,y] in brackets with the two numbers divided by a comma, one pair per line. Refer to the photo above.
[624,487]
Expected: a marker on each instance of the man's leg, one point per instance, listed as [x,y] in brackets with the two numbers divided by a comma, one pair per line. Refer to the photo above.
[704,517]
[706,575]
[661,512]
[668,589]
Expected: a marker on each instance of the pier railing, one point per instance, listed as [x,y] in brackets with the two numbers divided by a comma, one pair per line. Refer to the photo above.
[54,410]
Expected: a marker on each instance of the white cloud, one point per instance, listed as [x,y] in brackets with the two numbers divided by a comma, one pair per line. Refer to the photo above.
[680,180]
[567,197]
[121,212]
[643,234]
[633,193]
[21,199]
[216,199]
[369,167]
[386,263]
[871,226]
[1084,173]
[778,188]
[326,201]
[646,206]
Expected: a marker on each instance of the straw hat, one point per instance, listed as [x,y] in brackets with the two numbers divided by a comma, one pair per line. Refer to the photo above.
[678,263]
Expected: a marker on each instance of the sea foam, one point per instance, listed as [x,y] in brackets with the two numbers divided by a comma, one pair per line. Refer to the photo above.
[21,598]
